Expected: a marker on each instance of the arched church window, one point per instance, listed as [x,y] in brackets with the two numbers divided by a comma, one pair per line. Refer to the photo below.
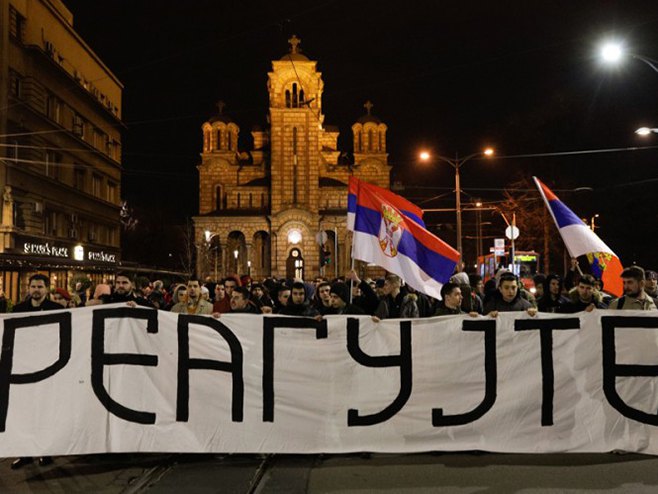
[294,96]
[370,140]
[301,97]
[230,140]
[358,142]
[219,139]
[218,197]
[288,98]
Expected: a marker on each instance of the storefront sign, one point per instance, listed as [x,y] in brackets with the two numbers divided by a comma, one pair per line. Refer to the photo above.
[101,256]
[45,249]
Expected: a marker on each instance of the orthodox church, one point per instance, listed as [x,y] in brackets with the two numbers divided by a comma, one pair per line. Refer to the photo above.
[281,209]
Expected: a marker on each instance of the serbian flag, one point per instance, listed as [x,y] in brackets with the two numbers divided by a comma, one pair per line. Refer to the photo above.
[408,209]
[581,241]
[387,237]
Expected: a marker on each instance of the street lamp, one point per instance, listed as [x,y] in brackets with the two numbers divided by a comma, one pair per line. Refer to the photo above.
[457,163]
[208,235]
[645,131]
[236,252]
[613,53]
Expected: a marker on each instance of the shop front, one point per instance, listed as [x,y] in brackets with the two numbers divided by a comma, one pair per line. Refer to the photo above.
[68,265]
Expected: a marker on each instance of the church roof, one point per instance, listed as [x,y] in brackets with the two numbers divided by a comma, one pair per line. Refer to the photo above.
[369,118]
[221,118]
[295,57]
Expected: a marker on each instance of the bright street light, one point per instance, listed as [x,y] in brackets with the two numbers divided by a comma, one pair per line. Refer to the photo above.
[457,163]
[614,53]
[645,131]
[611,52]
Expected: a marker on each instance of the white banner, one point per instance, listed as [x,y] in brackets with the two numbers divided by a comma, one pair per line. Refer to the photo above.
[118,379]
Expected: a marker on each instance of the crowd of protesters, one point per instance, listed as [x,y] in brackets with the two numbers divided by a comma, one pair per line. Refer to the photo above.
[383,298]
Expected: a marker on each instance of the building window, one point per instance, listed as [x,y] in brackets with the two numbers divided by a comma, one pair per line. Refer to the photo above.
[294,95]
[288,105]
[112,236]
[370,140]
[78,125]
[230,139]
[54,108]
[15,84]
[218,197]
[53,164]
[112,192]
[16,24]
[50,223]
[96,185]
[79,178]
[91,232]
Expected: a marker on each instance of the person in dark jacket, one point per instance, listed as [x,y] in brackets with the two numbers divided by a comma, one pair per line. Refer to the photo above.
[240,303]
[508,298]
[123,292]
[552,299]
[297,303]
[368,300]
[38,289]
[396,302]
[451,300]
[340,296]
[584,297]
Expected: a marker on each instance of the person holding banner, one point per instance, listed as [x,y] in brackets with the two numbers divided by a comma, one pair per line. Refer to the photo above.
[634,297]
[340,296]
[193,303]
[584,297]
[508,298]
[37,301]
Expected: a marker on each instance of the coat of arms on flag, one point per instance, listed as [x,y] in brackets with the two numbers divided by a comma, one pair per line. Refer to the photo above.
[390,232]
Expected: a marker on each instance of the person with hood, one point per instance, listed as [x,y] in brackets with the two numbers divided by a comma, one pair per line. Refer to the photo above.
[552,299]
[396,303]
[584,297]
[297,304]
[340,296]
[508,298]
[471,302]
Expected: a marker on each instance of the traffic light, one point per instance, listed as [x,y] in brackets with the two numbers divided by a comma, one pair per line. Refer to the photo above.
[325,257]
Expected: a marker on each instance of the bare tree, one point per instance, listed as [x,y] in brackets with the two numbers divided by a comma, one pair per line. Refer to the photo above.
[532,219]
[188,247]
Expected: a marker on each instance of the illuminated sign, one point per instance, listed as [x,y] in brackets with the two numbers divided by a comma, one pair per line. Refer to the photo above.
[526,258]
[79,253]
[101,256]
[45,249]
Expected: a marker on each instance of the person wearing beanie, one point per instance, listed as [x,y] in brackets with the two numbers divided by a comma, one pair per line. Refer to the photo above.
[340,296]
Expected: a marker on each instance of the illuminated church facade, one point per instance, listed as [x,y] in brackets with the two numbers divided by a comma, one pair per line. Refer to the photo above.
[281,208]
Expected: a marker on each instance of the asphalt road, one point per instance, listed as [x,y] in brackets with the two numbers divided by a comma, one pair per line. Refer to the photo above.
[457,473]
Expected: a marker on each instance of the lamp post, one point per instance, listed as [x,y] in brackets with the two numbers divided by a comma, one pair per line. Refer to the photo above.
[613,52]
[457,163]
[645,131]
[236,252]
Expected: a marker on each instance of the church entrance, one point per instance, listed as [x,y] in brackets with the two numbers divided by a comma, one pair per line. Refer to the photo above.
[295,265]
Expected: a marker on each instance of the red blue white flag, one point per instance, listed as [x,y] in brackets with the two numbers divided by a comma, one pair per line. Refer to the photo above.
[581,241]
[407,208]
[387,237]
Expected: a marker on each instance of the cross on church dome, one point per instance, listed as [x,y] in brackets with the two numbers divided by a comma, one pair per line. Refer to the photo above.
[220,106]
[294,42]
[368,106]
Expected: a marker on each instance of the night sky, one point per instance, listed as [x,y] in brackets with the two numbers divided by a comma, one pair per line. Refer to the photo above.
[521,76]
